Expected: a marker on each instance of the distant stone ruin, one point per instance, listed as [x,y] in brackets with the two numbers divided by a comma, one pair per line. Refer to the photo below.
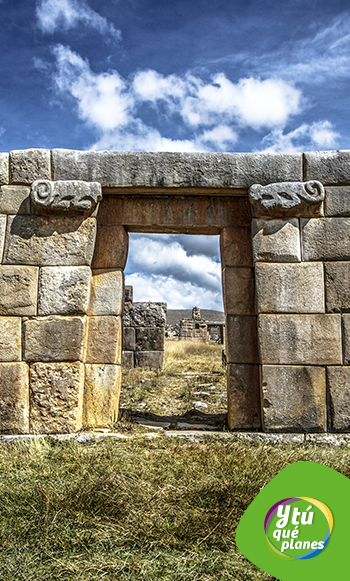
[197,329]
[143,333]
[284,226]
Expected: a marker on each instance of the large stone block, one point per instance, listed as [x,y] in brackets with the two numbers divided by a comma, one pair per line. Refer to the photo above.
[101,397]
[107,289]
[28,165]
[236,247]
[338,379]
[329,167]
[238,291]
[111,248]
[14,398]
[14,200]
[64,290]
[10,338]
[174,170]
[18,290]
[54,338]
[276,240]
[192,213]
[300,339]
[145,315]
[241,339]
[326,239]
[294,398]
[149,359]
[3,218]
[128,359]
[149,338]
[104,339]
[337,278]
[346,338]
[129,337]
[243,397]
[56,397]
[4,168]
[337,202]
[290,288]
[49,241]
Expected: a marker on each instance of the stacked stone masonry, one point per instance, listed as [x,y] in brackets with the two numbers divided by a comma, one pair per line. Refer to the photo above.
[143,333]
[285,252]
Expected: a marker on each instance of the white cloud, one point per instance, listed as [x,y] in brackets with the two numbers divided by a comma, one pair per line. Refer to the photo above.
[54,15]
[250,102]
[181,270]
[318,135]
[212,113]
[177,294]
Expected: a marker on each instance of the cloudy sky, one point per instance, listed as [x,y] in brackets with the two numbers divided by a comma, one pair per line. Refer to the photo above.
[179,75]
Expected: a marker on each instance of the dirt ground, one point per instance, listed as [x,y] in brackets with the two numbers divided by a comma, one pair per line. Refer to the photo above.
[191,389]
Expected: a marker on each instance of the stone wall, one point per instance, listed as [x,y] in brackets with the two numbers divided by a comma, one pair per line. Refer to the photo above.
[143,333]
[64,222]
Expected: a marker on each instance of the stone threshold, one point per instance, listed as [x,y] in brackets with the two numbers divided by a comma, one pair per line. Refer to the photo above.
[195,435]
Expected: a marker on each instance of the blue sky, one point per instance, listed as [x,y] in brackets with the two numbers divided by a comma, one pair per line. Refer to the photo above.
[195,75]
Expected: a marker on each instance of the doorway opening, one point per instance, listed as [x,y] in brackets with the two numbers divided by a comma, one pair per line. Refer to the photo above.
[173,369]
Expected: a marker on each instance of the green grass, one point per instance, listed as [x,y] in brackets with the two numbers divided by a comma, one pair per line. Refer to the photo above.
[137,509]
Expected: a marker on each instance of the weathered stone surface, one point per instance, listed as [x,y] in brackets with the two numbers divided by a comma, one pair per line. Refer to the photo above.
[243,412]
[162,169]
[241,339]
[49,241]
[326,238]
[18,290]
[149,359]
[56,397]
[104,339]
[338,379]
[337,201]
[2,234]
[149,338]
[128,294]
[4,168]
[236,247]
[128,359]
[276,240]
[14,398]
[287,199]
[101,397]
[54,338]
[14,200]
[111,248]
[330,167]
[294,398]
[28,165]
[290,288]
[337,278]
[10,338]
[65,195]
[346,338]
[145,315]
[238,291]
[129,338]
[185,214]
[300,339]
[106,297]
[64,290]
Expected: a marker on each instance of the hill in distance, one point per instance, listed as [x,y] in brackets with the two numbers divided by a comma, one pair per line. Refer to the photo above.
[174,315]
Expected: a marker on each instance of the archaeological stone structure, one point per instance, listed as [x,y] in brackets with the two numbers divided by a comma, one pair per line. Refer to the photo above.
[284,224]
[143,333]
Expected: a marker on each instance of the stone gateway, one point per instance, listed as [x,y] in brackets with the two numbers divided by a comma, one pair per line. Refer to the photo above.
[284,225]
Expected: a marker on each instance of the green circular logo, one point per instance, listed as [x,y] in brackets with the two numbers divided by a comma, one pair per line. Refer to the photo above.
[298,528]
